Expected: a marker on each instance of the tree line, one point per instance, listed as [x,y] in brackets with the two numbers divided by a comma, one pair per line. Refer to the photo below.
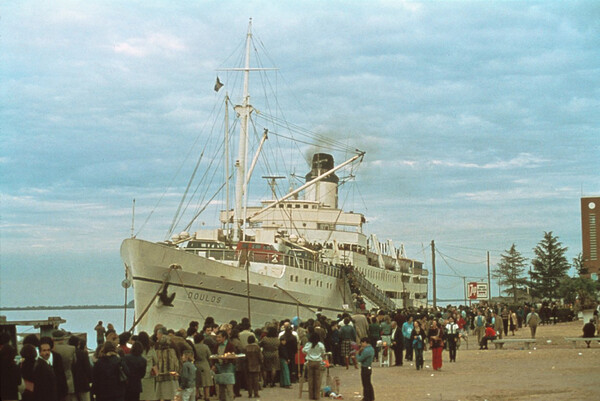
[547,277]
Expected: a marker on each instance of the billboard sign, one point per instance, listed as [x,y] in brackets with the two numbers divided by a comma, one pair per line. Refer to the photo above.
[477,290]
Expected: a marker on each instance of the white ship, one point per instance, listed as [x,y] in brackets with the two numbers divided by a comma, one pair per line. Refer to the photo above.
[292,255]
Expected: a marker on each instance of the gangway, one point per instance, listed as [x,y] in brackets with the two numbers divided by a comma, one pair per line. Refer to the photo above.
[369,290]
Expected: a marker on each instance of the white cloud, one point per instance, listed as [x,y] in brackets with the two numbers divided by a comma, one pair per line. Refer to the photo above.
[516,194]
[155,43]
[523,160]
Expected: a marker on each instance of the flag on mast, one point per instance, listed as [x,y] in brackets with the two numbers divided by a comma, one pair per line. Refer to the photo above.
[218,84]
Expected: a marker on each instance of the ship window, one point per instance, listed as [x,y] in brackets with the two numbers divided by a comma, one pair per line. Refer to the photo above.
[281,205]
[306,206]
[305,280]
[289,205]
[296,278]
[297,206]
[314,206]
[310,281]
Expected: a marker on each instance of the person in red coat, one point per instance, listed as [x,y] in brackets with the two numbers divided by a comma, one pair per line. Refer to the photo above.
[490,334]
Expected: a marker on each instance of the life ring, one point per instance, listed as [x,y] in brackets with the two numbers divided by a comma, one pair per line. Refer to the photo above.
[274,258]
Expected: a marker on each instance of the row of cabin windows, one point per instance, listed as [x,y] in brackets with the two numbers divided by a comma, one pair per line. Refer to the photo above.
[395,278]
[296,206]
[312,266]
[308,281]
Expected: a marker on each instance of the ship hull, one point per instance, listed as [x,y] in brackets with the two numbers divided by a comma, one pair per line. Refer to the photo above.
[204,287]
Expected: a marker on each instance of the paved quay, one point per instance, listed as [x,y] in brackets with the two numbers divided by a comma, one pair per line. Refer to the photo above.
[551,370]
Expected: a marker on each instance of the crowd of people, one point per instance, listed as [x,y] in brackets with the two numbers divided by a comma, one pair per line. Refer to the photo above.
[203,361]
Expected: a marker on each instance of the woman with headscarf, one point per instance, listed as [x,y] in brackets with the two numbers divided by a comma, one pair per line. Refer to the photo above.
[168,364]
[204,376]
[270,347]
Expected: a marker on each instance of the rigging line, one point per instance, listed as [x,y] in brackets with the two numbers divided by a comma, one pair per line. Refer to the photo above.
[305,133]
[192,197]
[460,261]
[191,148]
[312,143]
[205,205]
[201,182]
[278,75]
[285,122]
[179,214]
[184,195]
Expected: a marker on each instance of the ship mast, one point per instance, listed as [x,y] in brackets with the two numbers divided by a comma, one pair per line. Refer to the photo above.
[243,112]
[227,225]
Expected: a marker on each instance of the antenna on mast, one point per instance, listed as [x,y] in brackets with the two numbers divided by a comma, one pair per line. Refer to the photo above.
[272,181]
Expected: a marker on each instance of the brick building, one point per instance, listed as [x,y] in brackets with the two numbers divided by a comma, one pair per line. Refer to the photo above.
[590,228]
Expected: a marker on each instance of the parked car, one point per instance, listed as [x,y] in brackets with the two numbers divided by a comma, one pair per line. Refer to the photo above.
[258,252]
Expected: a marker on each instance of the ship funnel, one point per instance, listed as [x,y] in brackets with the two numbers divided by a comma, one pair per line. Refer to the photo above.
[326,190]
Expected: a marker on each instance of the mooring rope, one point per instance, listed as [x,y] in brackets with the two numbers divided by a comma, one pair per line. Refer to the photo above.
[190,298]
[167,276]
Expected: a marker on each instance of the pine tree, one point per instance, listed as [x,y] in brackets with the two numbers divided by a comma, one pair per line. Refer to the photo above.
[578,264]
[510,271]
[550,266]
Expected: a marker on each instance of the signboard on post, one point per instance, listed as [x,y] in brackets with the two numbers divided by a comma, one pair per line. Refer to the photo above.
[477,291]
[472,291]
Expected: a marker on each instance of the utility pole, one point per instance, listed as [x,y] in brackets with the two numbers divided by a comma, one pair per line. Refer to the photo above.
[489,280]
[433,270]
[465,289]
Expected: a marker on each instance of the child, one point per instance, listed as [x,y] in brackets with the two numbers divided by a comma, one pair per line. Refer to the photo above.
[254,360]
[187,379]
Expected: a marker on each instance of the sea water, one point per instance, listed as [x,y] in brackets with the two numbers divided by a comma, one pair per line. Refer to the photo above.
[77,320]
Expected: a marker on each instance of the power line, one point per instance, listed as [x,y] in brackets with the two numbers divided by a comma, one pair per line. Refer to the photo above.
[460,261]
[448,264]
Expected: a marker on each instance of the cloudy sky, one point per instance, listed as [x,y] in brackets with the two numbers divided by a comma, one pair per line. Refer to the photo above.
[480,121]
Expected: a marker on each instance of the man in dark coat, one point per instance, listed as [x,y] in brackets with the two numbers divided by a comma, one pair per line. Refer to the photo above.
[44,378]
[55,360]
[397,343]
[588,331]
